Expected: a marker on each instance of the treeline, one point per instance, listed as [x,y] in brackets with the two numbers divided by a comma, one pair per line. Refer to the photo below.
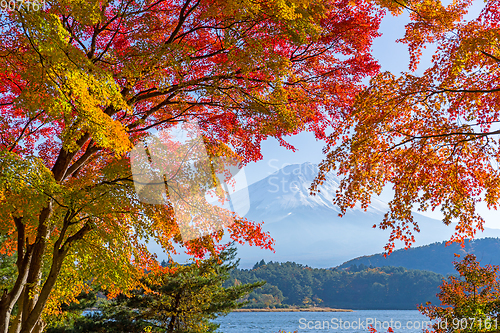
[355,287]
[436,257]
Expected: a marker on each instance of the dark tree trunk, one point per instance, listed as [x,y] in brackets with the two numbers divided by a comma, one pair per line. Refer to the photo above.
[30,261]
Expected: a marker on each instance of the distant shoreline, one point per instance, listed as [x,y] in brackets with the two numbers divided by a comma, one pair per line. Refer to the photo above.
[294,310]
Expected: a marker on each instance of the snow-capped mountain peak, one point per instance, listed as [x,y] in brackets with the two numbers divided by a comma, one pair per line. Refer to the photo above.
[307,229]
[289,189]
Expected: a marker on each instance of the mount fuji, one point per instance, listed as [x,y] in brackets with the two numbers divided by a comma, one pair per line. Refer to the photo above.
[308,230]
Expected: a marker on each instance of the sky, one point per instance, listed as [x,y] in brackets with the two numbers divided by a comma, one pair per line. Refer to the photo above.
[392,57]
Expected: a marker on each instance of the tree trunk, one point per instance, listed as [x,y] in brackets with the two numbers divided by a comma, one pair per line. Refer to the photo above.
[30,263]
[32,318]
[173,318]
[4,320]
[16,324]
[39,327]
[35,270]
[9,299]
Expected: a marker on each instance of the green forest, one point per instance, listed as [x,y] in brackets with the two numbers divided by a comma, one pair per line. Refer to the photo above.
[355,287]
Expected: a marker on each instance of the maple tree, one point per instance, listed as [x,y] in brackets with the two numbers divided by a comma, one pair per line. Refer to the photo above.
[469,302]
[178,298]
[432,137]
[82,82]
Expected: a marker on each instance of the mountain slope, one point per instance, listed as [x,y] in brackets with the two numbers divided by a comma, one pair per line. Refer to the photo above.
[308,230]
[435,257]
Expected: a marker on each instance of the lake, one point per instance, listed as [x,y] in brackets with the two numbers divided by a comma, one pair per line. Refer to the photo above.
[407,321]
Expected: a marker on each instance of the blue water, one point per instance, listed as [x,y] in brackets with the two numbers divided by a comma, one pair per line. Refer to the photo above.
[403,321]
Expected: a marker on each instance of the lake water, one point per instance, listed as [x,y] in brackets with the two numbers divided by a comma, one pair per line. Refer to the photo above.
[403,321]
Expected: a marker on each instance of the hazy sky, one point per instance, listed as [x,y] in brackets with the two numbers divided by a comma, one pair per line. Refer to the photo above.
[392,57]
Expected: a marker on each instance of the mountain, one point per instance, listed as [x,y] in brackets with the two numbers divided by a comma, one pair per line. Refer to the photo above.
[308,230]
[436,257]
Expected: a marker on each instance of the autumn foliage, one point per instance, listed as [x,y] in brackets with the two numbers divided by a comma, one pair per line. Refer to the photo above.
[469,301]
[432,137]
[82,82]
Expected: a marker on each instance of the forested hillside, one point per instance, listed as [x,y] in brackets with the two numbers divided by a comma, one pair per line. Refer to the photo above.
[436,257]
[356,287]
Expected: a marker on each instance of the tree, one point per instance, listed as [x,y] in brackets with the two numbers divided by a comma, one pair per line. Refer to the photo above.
[290,284]
[469,302]
[82,82]
[432,137]
[73,315]
[7,269]
[180,298]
